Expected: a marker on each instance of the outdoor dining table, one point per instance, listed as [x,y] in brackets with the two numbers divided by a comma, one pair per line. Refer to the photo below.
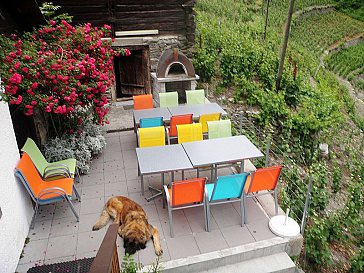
[151,113]
[211,152]
[197,109]
[161,159]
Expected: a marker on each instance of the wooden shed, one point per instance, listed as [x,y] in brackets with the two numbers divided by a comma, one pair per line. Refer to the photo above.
[147,28]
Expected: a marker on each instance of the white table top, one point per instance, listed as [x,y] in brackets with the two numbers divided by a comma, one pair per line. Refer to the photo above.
[197,109]
[160,159]
[151,113]
[220,150]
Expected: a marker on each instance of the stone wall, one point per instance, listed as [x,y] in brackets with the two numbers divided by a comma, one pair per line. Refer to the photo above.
[157,44]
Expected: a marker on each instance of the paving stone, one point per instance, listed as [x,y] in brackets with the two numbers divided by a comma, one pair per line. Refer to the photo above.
[64,226]
[225,215]
[183,246]
[114,176]
[90,241]
[93,205]
[116,188]
[34,251]
[41,230]
[61,246]
[210,241]
[93,191]
[180,225]
[260,230]
[237,235]
[64,210]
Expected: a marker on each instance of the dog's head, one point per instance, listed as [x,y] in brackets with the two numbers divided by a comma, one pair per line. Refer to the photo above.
[134,240]
[136,235]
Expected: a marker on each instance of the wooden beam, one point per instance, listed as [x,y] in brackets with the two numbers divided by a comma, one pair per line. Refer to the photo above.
[137,32]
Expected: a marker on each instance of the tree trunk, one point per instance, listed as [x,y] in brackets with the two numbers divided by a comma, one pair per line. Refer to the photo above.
[41,126]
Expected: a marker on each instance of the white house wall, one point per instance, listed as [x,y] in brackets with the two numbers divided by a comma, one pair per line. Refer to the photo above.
[15,203]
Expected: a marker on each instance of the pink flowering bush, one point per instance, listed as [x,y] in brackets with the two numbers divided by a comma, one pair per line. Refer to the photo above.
[59,69]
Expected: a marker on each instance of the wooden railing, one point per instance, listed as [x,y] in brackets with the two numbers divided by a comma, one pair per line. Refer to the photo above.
[107,260]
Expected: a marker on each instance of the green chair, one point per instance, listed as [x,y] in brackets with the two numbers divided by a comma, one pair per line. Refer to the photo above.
[219,128]
[195,96]
[49,170]
[168,99]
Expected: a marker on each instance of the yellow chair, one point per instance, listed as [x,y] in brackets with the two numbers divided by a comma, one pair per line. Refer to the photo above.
[208,117]
[152,136]
[189,132]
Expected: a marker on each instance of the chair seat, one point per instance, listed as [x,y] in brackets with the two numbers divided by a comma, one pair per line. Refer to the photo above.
[210,189]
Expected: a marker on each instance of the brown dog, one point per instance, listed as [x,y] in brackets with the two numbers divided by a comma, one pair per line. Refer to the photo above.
[133,224]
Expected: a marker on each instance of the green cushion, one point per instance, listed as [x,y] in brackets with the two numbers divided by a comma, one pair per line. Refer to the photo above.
[168,99]
[41,163]
[195,96]
[219,128]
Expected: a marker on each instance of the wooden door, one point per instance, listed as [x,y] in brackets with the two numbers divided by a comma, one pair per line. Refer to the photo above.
[133,73]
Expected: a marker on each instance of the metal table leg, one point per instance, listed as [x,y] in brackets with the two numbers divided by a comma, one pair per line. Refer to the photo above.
[159,192]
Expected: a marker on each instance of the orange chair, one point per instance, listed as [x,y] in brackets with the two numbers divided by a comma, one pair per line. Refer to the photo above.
[143,102]
[44,192]
[177,120]
[186,194]
[262,179]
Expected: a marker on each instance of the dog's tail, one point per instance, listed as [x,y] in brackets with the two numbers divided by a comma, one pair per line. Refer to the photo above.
[102,221]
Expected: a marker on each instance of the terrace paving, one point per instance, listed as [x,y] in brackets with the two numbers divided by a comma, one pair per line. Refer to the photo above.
[58,237]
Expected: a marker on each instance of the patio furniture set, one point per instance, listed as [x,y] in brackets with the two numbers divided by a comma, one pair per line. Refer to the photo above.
[192,151]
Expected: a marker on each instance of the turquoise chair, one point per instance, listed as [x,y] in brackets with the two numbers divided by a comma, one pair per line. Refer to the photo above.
[219,128]
[195,96]
[226,189]
[168,99]
[151,122]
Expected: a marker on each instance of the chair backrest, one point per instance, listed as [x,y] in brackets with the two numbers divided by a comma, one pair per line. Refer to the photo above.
[189,132]
[219,128]
[143,102]
[208,117]
[151,122]
[153,136]
[35,154]
[177,120]
[195,96]
[168,99]
[29,176]
[263,179]
[229,186]
[188,191]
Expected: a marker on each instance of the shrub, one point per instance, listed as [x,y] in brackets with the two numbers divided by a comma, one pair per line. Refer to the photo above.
[81,146]
[357,262]
[317,246]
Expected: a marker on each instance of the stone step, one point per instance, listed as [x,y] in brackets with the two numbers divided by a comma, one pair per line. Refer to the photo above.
[227,257]
[276,263]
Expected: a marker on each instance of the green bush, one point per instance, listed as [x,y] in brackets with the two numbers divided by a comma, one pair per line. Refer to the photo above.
[204,63]
[81,146]
[317,246]
[357,262]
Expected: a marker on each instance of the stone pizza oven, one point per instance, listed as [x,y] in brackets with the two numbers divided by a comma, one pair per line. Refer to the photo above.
[175,72]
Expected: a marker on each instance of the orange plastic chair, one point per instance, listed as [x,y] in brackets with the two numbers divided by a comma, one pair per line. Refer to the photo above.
[177,120]
[189,132]
[208,117]
[143,102]
[186,194]
[262,179]
[44,192]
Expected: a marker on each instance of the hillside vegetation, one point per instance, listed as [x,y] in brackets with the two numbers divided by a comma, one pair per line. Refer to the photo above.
[310,108]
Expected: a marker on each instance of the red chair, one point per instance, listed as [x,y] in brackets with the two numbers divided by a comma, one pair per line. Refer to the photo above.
[262,179]
[177,120]
[143,102]
[186,194]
